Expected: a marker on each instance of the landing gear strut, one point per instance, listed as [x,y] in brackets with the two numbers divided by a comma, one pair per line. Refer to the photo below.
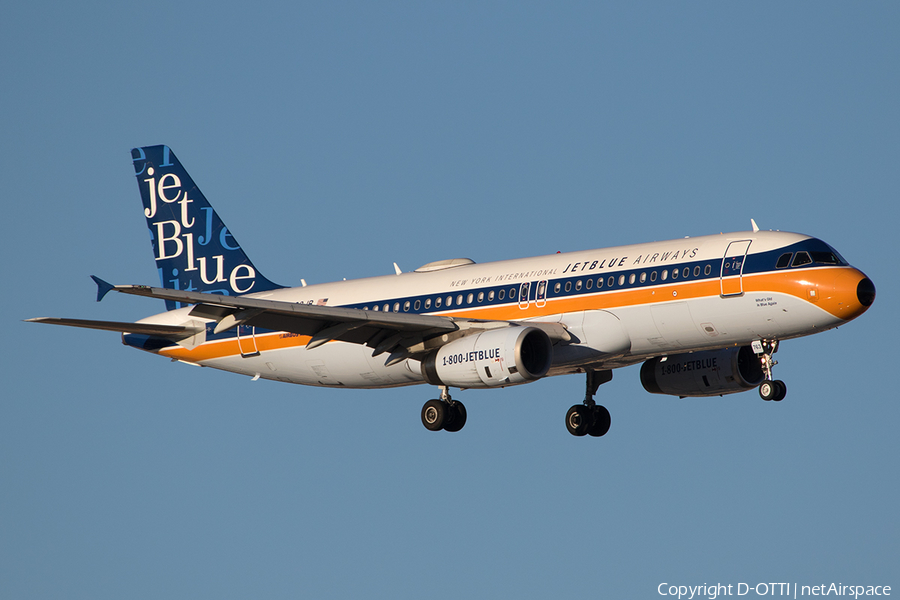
[445,413]
[769,389]
[590,418]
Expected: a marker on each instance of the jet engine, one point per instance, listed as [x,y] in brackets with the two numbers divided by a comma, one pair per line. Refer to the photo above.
[710,373]
[491,358]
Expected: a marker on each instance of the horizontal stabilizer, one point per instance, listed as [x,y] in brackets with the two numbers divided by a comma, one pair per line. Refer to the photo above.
[103,287]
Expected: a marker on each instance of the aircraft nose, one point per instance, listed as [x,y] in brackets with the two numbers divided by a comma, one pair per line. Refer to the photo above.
[853,294]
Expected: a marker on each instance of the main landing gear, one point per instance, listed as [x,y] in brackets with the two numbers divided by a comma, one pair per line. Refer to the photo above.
[769,389]
[590,418]
[446,413]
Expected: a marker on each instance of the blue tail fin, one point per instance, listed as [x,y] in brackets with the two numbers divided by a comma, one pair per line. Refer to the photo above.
[193,249]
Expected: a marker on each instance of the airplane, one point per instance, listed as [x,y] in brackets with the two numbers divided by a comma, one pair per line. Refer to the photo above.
[704,315]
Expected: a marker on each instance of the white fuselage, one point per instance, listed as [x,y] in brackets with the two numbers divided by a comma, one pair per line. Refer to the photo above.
[621,305]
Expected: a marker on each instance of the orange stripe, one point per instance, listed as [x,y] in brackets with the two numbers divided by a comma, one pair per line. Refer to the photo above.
[835,293]
[225,348]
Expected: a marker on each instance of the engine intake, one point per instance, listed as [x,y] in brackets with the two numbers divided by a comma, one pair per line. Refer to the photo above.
[710,373]
[492,358]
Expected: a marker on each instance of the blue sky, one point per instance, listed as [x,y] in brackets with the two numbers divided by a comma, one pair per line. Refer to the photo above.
[337,138]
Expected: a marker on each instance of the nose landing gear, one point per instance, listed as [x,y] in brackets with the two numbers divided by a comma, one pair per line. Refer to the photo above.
[769,389]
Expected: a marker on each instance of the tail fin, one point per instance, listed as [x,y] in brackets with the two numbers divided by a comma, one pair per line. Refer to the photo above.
[193,249]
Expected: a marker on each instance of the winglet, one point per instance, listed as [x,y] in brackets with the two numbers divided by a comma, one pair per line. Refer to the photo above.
[103,287]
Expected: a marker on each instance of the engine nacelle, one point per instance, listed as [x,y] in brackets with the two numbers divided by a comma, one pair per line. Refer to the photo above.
[710,373]
[492,358]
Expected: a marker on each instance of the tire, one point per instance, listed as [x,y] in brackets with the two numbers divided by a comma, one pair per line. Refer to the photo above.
[781,390]
[601,423]
[768,389]
[457,411]
[434,415]
[578,420]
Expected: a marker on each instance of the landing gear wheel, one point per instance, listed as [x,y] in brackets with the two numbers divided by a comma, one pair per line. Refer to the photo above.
[601,422]
[434,415]
[781,390]
[457,416]
[578,420]
[768,389]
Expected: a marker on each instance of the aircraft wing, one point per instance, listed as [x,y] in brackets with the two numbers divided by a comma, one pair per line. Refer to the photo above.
[170,331]
[404,335]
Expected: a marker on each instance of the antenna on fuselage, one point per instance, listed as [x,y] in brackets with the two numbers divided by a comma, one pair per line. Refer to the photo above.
[754,225]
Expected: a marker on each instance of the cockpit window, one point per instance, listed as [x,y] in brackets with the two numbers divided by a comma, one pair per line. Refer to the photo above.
[802,258]
[825,258]
[811,251]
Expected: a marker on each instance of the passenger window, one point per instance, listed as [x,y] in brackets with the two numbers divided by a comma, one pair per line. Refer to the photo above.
[396,307]
[375,308]
[556,288]
[512,293]
[459,299]
[577,285]
[802,258]
[707,270]
[406,306]
[621,280]
[470,298]
[643,277]
[386,308]
[611,281]
[501,294]
[491,296]
[665,274]
[481,296]
[631,279]
[674,274]
[568,286]
[427,303]
[449,301]
[437,302]
[686,272]
[697,271]
[653,276]
[589,284]
[784,260]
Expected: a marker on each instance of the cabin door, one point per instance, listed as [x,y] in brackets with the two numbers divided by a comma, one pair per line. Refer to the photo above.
[731,276]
